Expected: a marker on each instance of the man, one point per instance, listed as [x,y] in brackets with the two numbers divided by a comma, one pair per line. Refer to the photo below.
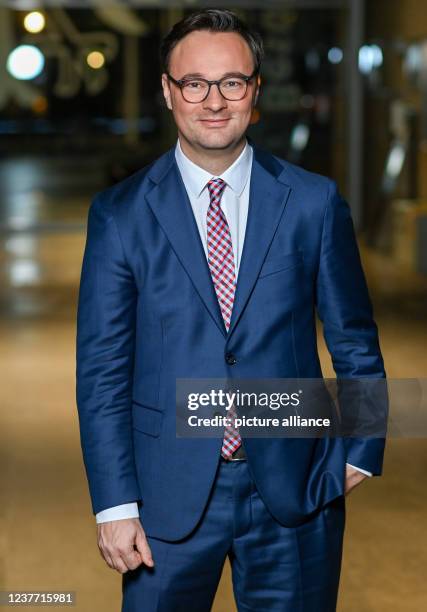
[210,263]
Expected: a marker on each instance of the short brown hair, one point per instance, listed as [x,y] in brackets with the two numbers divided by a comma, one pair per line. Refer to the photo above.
[213,20]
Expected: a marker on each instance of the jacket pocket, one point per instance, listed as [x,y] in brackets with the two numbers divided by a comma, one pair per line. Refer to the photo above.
[281,262]
[146,419]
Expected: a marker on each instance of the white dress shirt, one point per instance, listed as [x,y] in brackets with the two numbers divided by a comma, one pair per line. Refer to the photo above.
[234,203]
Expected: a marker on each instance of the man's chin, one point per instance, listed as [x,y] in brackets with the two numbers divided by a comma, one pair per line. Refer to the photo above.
[217,142]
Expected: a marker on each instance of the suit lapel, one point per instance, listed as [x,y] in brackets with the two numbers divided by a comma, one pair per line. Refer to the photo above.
[170,203]
[267,200]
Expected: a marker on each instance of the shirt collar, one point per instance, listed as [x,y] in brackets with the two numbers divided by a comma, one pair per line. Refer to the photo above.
[195,177]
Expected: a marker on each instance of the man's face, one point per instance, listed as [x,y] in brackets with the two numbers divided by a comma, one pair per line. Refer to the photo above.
[215,123]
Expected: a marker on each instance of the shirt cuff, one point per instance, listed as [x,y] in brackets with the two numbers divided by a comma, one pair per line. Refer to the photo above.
[360,470]
[117,513]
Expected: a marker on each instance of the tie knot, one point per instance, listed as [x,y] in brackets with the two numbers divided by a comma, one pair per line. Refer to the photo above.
[216,187]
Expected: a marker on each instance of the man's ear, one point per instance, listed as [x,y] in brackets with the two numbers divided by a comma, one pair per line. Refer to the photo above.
[166,91]
[258,85]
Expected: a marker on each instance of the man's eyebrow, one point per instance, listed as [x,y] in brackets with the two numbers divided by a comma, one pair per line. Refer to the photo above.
[199,75]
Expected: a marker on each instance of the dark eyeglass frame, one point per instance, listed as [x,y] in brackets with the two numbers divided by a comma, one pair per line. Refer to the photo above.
[181,82]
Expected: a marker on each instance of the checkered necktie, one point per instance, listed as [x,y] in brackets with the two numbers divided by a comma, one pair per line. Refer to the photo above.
[221,265]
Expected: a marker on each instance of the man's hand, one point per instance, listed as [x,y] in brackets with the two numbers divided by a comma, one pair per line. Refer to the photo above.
[352,478]
[123,544]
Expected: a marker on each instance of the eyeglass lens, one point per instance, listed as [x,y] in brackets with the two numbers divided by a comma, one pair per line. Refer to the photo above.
[232,88]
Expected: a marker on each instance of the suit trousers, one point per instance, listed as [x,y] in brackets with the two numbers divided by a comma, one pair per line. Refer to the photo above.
[274,568]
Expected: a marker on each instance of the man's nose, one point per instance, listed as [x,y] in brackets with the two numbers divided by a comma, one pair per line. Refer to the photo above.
[214,101]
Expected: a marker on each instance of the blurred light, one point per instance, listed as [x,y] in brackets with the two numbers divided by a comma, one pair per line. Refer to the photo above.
[377,55]
[323,107]
[335,55]
[365,59]
[370,57]
[25,62]
[24,272]
[395,161]
[413,58]
[21,246]
[34,22]
[26,5]
[312,60]
[39,105]
[299,136]
[95,59]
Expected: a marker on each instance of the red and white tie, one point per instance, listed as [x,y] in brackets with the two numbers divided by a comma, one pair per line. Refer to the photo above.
[221,265]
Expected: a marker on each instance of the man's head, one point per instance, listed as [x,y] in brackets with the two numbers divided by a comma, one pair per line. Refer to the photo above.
[211,44]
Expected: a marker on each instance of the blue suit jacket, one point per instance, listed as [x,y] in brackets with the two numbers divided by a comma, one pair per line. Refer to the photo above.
[148,314]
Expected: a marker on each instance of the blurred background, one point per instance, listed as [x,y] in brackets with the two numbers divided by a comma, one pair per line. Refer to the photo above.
[344,93]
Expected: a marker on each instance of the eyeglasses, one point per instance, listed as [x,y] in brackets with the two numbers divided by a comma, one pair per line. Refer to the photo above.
[231,88]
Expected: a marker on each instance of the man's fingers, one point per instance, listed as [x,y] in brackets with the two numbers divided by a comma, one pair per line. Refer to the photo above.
[107,558]
[105,552]
[121,560]
[113,559]
[353,479]
[120,565]
[143,548]
[123,545]
[132,559]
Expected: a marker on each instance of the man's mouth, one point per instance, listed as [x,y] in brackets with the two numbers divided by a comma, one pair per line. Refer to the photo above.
[215,121]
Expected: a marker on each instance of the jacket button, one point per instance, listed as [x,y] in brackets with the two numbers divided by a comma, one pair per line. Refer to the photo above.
[230,358]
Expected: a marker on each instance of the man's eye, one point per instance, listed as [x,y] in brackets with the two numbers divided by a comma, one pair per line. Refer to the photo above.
[193,84]
[233,83]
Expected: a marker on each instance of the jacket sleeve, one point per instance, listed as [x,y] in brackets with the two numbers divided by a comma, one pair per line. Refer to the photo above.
[105,358]
[344,307]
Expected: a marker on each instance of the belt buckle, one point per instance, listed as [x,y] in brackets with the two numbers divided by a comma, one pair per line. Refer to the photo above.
[234,458]
[231,459]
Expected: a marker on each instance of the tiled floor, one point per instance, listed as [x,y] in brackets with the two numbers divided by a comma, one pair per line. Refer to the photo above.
[48,540]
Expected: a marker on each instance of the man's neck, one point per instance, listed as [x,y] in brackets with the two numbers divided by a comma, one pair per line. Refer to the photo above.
[215,161]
